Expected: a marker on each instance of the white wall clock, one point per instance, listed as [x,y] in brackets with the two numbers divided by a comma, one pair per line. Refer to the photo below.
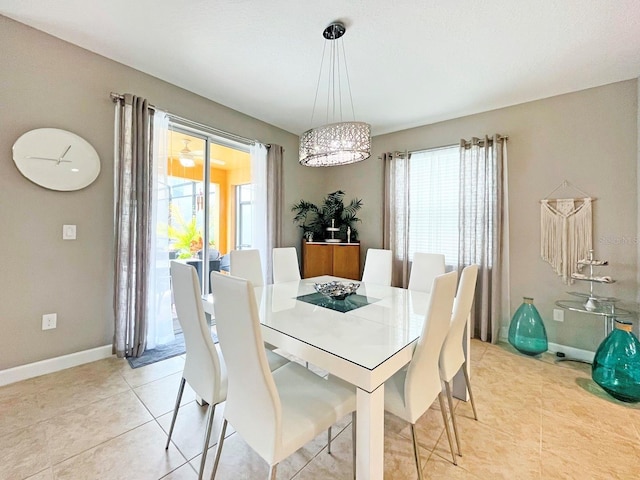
[56,159]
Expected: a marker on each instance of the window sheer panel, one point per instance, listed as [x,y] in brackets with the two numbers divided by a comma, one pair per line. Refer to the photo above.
[478,184]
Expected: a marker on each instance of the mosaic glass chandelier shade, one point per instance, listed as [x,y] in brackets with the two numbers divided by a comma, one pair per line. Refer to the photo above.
[337,143]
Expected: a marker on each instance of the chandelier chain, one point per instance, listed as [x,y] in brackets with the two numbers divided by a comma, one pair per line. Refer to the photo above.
[315,100]
[341,142]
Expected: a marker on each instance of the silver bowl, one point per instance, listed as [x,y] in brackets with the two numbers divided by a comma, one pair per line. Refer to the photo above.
[336,290]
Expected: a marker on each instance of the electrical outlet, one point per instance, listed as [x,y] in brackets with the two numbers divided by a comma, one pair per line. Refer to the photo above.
[68,232]
[49,321]
[558,315]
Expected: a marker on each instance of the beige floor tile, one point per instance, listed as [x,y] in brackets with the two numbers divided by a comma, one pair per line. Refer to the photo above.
[88,426]
[336,466]
[75,387]
[136,377]
[138,454]
[521,420]
[561,467]
[23,453]
[185,472]
[537,419]
[19,411]
[188,432]
[399,460]
[490,453]
[593,448]
[430,427]
[438,468]
[160,395]
[478,350]
[238,460]
[43,475]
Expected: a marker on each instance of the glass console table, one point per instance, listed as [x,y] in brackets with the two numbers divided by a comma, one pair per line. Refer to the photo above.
[606,309]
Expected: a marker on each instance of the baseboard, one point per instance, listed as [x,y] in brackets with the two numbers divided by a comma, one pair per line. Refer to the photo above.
[569,352]
[572,352]
[30,370]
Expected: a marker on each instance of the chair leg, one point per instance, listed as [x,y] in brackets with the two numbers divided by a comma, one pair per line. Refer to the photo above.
[353,441]
[447,386]
[211,411]
[466,379]
[272,472]
[416,450]
[446,426]
[223,430]
[175,411]
[329,440]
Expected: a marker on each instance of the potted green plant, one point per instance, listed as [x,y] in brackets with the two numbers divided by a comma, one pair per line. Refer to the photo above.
[314,219]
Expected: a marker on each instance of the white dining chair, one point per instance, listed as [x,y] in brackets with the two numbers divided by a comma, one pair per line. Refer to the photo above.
[275,413]
[377,267]
[424,268]
[204,367]
[452,356]
[409,393]
[285,265]
[247,264]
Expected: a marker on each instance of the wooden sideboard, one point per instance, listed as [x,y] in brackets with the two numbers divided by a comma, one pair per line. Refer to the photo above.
[338,259]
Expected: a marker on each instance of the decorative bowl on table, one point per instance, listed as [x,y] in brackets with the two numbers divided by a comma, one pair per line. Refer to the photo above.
[336,290]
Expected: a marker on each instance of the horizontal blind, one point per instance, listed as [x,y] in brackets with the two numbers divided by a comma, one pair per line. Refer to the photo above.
[434,183]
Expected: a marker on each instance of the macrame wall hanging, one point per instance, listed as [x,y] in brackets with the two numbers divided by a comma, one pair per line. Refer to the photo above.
[566,228]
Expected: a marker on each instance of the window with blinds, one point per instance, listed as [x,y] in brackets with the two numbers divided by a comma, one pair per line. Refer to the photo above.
[434,178]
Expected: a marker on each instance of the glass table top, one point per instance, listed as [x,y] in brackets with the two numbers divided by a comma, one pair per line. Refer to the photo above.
[366,328]
[349,303]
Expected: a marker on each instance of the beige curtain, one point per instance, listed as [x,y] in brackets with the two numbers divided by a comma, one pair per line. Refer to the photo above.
[133,198]
[396,214]
[275,196]
[483,225]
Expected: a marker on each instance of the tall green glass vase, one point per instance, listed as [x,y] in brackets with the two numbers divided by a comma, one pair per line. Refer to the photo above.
[526,331]
[616,365]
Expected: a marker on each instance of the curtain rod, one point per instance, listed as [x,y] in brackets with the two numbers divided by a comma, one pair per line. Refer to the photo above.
[441,147]
[117,97]
[401,154]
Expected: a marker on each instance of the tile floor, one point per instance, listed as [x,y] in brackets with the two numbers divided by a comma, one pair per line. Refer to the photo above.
[538,420]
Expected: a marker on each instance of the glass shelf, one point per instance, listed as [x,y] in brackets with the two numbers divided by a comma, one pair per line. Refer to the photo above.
[595,298]
[609,310]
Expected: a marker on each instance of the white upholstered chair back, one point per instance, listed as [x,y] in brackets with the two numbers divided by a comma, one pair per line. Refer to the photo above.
[253,405]
[424,268]
[246,264]
[452,355]
[377,267]
[202,366]
[422,384]
[285,265]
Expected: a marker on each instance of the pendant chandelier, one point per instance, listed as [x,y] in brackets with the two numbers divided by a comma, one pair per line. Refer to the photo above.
[337,143]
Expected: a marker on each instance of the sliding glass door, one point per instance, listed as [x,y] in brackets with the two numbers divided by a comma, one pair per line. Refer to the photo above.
[204,200]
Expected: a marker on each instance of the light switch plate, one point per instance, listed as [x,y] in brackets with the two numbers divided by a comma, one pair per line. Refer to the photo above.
[68,232]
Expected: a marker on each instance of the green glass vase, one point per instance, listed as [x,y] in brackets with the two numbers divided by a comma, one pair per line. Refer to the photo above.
[526,331]
[616,365]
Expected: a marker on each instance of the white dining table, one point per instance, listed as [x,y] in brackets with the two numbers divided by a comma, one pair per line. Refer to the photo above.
[364,346]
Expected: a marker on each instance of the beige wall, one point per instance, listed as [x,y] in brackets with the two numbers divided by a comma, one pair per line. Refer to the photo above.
[589,138]
[45,82]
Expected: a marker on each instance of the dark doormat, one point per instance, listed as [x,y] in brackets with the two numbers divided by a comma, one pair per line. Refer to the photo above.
[162,352]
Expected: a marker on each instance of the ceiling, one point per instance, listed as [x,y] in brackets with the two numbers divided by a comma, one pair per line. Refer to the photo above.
[411,62]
